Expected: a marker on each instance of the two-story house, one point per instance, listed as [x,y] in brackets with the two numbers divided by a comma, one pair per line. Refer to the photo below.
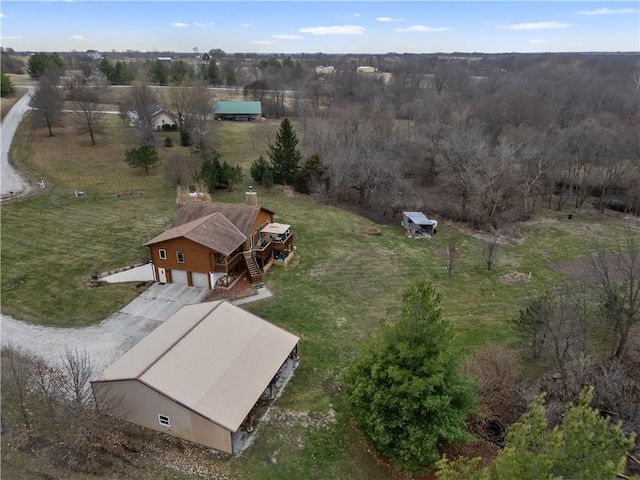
[214,244]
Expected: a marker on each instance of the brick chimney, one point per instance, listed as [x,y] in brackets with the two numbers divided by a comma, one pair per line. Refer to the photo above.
[251,197]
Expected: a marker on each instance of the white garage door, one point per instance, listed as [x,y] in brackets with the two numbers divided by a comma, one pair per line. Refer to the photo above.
[200,279]
[179,276]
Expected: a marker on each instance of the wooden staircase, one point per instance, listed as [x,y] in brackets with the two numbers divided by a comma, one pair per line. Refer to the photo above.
[254,270]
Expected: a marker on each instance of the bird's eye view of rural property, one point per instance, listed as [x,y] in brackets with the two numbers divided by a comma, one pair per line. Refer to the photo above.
[293,240]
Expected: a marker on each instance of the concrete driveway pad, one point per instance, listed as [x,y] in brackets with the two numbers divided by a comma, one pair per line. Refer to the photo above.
[112,337]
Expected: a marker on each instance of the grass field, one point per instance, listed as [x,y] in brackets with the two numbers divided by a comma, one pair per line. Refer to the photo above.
[336,292]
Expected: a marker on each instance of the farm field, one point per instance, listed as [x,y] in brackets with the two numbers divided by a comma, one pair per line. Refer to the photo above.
[336,292]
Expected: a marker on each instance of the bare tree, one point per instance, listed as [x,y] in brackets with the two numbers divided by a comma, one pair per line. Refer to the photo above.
[123,111]
[47,99]
[88,110]
[182,169]
[144,108]
[556,325]
[465,148]
[489,247]
[187,105]
[453,252]
[618,278]
[532,163]
[203,112]
[78,371]
[17,370]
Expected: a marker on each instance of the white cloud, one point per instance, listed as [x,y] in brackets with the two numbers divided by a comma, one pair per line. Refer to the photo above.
[535,40]
[2,15]
[334,30]
[179,24]
[76,37]
[11,37]
[204,25]
[422,28]
[245,25]
[262,42]
[287,37]
[608,11]
[389,19]
[537,26]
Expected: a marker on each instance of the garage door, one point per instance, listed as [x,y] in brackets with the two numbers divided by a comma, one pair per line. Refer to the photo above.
[179,276]
[200,279]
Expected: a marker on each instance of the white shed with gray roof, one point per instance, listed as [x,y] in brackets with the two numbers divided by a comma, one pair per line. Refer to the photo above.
[198,375]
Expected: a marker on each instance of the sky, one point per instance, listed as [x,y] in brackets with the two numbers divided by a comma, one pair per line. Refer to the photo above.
[321,26]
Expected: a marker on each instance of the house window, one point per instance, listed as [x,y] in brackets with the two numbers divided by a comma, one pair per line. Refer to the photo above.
[162,253]
[251,241]
[164,420]
[180,256]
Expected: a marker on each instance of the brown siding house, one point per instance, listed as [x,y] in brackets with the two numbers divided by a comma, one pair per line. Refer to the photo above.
[214,244]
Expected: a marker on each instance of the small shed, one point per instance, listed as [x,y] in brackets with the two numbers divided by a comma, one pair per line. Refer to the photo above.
[238,111]
[417,225]
[198,375]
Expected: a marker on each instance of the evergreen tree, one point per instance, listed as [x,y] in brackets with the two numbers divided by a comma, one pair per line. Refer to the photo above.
[122,74]
[312,168]
[211,170]
[144,157]
[585,446]
[6,85]
[106,68]
[231,175]
[213,73]
[267,179]
[404,388]
[258,169]
[284,154]
[40,63]
[158,72]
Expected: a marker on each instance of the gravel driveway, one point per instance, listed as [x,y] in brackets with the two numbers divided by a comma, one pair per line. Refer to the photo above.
[108,340]
[10,180]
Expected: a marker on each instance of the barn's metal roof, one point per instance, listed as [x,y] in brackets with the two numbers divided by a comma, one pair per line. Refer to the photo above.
[237,108]
[419,218]
[213,358]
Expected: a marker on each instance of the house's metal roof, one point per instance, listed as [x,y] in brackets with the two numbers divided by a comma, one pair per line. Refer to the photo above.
[419,218]
[276,228]
[214,231]
[237,108]
[213,358]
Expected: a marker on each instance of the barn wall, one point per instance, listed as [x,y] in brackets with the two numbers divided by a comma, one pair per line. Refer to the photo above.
[134,402]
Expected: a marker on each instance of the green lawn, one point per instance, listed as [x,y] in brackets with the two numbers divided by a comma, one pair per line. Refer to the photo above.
[339,288]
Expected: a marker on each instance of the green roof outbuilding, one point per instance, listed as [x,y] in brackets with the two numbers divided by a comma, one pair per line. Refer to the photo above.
[237,108]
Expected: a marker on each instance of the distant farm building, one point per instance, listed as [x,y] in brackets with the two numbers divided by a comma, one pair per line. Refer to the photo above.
[325,70]
[238,111]
[365,69]
[199,375]
[93,54]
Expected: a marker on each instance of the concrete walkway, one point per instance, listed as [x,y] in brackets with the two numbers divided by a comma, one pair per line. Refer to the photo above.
[143,273]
